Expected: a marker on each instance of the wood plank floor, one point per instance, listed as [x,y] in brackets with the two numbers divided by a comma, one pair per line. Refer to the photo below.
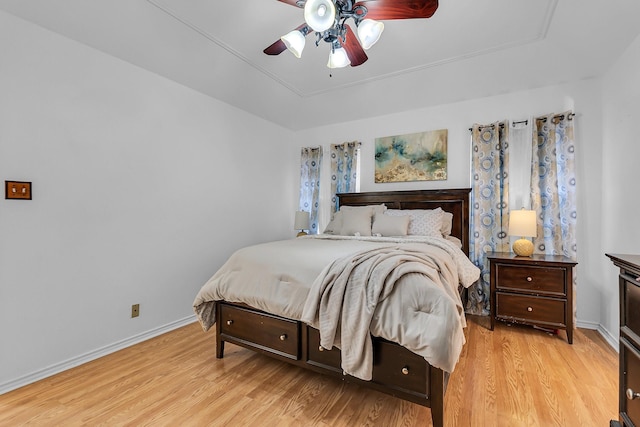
[514,376]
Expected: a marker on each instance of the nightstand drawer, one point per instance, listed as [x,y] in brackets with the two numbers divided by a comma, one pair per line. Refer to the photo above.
[630,319]
[524,308]
[544,280]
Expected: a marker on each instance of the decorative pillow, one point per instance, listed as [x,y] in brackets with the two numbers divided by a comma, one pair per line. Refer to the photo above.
[387,225]
[447,223]
[424,222]
[356,221]
[373,208]
[335,225]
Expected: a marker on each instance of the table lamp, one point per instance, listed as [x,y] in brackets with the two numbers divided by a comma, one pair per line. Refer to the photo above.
[301,222]
[522,223]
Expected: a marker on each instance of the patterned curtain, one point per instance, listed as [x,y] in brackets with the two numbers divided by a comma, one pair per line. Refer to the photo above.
[310,166]
[489,207]
[344,170]
[553,185]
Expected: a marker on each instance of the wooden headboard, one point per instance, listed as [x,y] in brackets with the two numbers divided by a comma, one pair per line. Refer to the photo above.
[455,201]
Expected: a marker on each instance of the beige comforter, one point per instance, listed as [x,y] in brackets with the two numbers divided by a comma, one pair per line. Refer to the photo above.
[417,307]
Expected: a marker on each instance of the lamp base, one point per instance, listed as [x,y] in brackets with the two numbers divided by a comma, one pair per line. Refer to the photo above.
[301,233]
[523,247]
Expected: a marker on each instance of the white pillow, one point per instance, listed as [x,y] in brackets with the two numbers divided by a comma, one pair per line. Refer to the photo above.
[335,225]
[373,208]
[356,221]
[424,222]
[387,225]
[447,223]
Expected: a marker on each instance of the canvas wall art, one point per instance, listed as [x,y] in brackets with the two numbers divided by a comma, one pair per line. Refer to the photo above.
[412,157]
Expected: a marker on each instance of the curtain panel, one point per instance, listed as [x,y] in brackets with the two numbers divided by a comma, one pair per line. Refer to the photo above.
[310,167]
[344,170]
[553,185]
[489,207]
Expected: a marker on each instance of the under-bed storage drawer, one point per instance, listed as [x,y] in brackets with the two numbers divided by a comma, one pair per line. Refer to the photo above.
[260,330]
[316,355]
[399,368]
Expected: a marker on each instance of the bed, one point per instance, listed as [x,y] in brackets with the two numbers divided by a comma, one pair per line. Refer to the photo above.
[390,358]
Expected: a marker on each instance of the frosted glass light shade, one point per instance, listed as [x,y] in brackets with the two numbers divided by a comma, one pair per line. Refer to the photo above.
[319,14]
[369,32]
[338,58]
[294,41]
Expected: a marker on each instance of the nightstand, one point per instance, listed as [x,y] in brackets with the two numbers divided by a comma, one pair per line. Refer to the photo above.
[535,290]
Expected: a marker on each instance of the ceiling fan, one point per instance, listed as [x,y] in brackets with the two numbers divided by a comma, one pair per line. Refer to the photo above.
[327,19]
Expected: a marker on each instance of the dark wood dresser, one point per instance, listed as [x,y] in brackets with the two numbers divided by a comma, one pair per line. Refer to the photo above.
[629,283]
[535,290]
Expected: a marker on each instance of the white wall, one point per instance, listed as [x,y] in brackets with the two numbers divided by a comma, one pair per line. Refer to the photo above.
[584,97]
[621,171]
[141,190]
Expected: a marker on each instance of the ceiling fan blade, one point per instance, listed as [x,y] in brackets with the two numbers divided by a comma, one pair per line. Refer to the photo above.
[278,46]
[399,9]
[291,2]
[354,50]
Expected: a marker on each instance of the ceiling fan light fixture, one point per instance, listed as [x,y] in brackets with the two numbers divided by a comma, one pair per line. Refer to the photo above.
[319,14]
[294,41]
[338,58]
[369,32]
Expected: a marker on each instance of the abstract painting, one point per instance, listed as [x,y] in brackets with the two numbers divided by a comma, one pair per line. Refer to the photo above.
[412,157]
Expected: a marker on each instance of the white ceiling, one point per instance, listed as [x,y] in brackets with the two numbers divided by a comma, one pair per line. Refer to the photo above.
[468,49]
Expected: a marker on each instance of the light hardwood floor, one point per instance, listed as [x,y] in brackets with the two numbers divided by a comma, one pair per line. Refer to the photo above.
[514,376]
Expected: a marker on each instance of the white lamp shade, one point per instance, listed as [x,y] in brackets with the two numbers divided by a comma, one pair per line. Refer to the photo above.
[338,58]
[522,223]
[302,221]
[369,32]
[319,14]
[294,41]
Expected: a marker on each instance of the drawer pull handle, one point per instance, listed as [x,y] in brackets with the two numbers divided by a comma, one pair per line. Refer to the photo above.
[632,394]
[529,309]
[283,337]
[529,279]
[320,348]
[229,322]
[405,371]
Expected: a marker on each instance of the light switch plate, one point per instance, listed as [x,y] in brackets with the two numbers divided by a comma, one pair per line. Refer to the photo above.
[17,190]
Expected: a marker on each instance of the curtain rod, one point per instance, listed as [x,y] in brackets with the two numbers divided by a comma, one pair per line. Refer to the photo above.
[543,119]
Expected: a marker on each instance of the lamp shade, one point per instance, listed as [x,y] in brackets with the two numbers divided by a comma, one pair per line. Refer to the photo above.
[320,14]
[294,41]
[369,32]
[302,221]
[522,223]
[338,58]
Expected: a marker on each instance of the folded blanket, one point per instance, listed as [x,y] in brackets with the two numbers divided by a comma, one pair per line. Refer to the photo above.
[343,298]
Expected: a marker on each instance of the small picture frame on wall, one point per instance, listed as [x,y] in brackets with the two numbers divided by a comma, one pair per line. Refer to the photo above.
[413,157]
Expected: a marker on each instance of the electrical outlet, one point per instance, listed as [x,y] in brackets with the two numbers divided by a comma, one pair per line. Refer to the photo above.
[135,310]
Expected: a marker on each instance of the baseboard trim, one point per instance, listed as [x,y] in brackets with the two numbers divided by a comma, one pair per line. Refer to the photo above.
[610,339]
[93,355]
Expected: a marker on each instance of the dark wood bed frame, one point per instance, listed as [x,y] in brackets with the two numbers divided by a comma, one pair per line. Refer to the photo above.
[397,371]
